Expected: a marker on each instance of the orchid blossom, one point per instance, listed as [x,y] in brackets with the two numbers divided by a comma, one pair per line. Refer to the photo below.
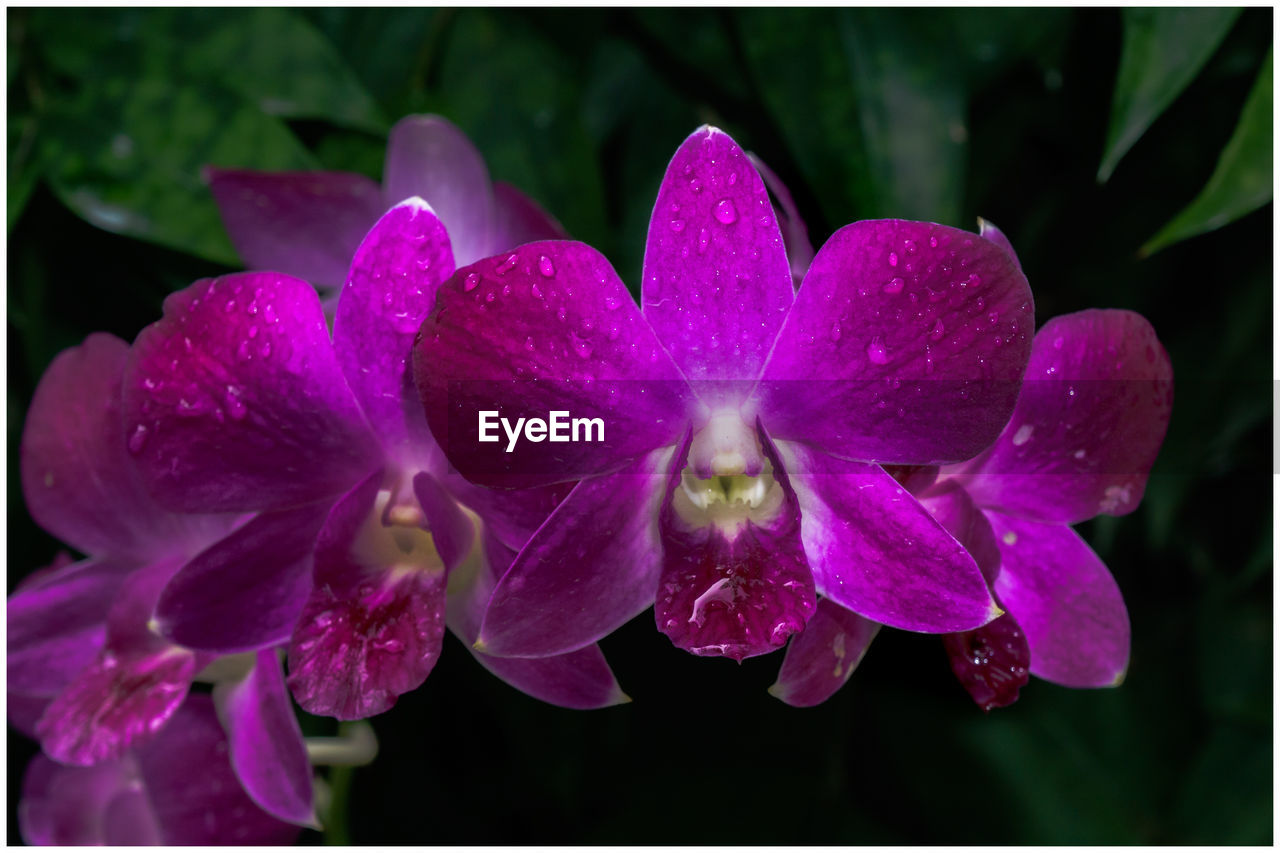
[1089,423]
[744,422]
[309,224]
[238,400]
[87,673]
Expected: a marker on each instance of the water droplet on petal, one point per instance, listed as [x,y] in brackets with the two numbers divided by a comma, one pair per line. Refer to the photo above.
[938,330]
[235,406]
[545,267]
[1023,435]
[471,282]
[677,225]
[835,331]
[876,352]
[138,439]
[508,264]
[894,285]
[703,239]
[528,344]
[893,259]
[537,293]
[1057,343]
[725,212]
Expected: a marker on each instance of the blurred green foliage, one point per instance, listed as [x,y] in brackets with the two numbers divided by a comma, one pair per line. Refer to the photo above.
[941,114]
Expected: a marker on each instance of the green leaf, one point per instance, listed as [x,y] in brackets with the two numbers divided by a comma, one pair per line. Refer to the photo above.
[1163,51]
[126,156]
[1241,182]
[24,167]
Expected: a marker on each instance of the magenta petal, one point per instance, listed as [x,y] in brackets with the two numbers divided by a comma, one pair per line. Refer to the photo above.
[548,327]
[1066,601]
[128,820]
[876,551]
[716,283]
[919,334]
[512,514]
[735,592]
[452,533]
[57,628]
[428,157]
[519,219]
[581,680]
[355,650]
[114,704]
[235,401]
[304,224]
[821,658]
[795,234]
[65,805]
[1089,423]
[267,751]
[993,234]
[591,567]
[991,662]
[77,477]
[955,511]
[246,591]
[194,795]
[23,711]
[391,288]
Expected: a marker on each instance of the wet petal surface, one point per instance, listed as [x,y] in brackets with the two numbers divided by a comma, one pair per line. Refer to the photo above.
[876,551]
[548,327]
[1066,601]
[821,658]
[716,283]
[1089,423]
[591,567]
[235,401]
[992,662]
[906,345]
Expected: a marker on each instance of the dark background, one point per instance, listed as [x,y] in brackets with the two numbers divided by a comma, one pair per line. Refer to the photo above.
[940,114]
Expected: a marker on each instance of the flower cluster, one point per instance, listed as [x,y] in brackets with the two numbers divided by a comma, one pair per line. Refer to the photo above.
[795,448]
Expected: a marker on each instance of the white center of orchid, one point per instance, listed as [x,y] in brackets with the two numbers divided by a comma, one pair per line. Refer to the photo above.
[728,481]
[394,535]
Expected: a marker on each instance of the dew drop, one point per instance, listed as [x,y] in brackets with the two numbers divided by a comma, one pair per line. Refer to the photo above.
[933,242]
[893,259]
[138,439]
[938,330]
[535,290]
[725,212]
[876,352]
[835,331]
[471,282]
[265,349]
[269,314]
[528,344]
[508,264]
[545,267]
[235,406]
[994,317]
[581,347]
[703,239]
[242,351]
[1023,435]
[894,285]
[490,296]
[229,306]
[677,225]
[1057,343]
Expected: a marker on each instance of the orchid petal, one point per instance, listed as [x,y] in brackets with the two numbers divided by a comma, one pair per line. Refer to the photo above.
[1066,602]
[267,751]
[589,569]
[548,327]
[57,628]
[235,401]
[990,232]
[581,680]
[876,551]
[64,805]
[245,592]
[716,284]
[23,711]
[512,514]
[429,157]
[822,657]
[951,506]
[921,333]
[452,533]
[1089,422]
[392,287]
[303,224]
[795,234]
[79,481]
[991,662]
[356,649]
[519,219]
[127,820]
[114,704]
[735,593]
[194,794]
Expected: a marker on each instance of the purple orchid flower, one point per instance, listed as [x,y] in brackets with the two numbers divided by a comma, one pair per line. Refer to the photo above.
[309,224]
[87,674]
[238,400]
[150,794]
[737,475]
[1089,423]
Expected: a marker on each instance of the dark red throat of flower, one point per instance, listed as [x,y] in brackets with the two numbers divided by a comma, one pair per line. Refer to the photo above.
[991,662]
